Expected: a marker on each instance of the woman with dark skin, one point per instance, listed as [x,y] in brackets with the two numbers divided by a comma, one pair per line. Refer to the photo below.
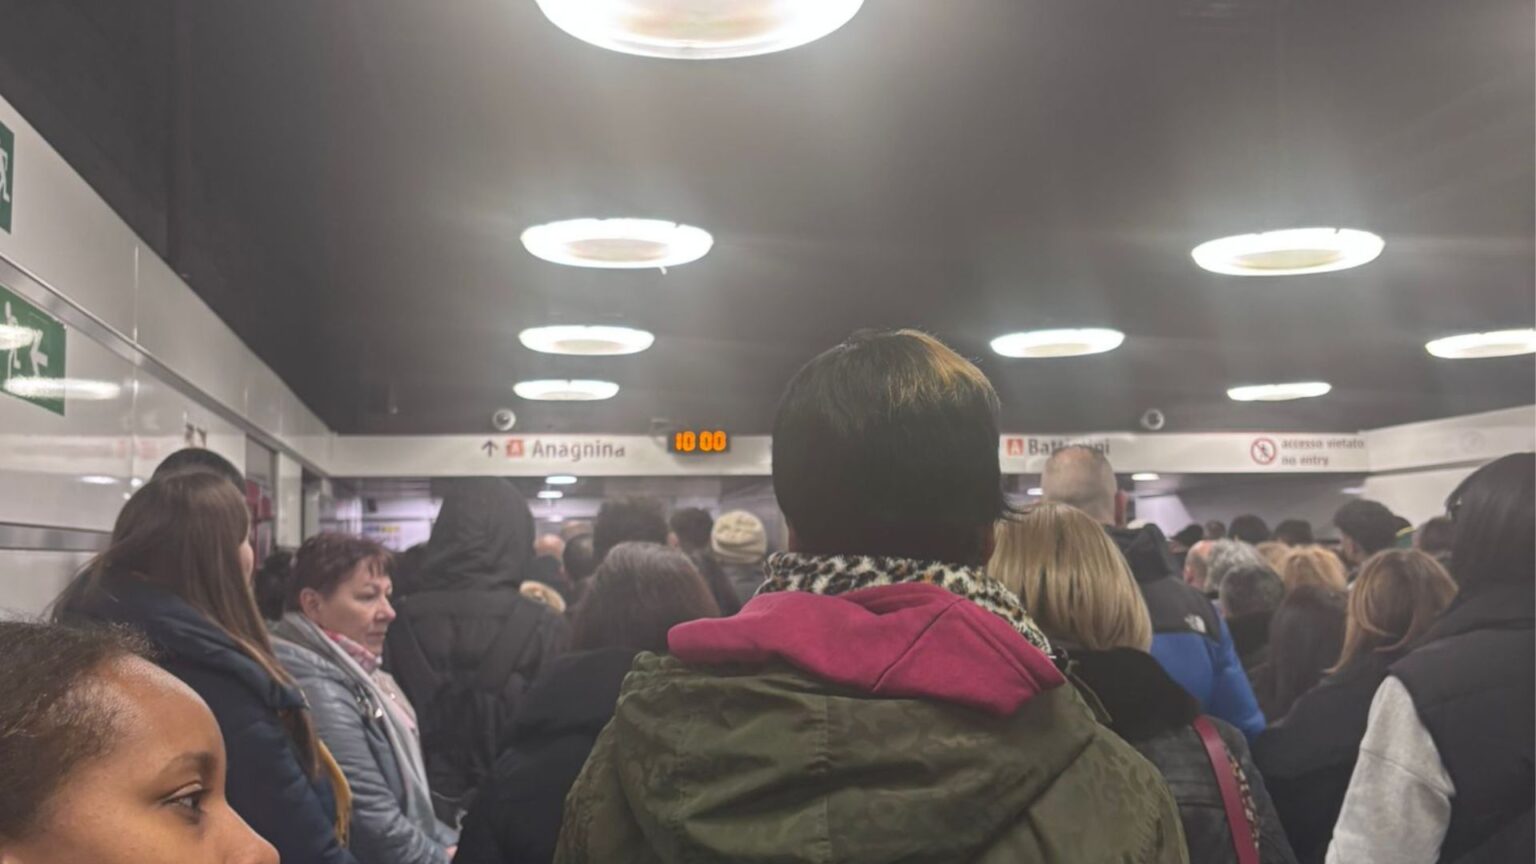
[108,758]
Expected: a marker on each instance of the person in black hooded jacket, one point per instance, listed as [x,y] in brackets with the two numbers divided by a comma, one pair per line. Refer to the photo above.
[467,644]
[1189,638]
[638,594]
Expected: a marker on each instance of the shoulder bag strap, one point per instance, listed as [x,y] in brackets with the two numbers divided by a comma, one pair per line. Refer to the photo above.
[1243,841]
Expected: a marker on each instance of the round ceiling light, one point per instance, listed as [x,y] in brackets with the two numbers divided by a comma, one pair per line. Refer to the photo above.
[1292,252]
[13,336]
[560,480]
[79,389]
[589,341]
[1469,346]
[1279,392]
[550,494]
[565,391]
[618,244]
[699,29]
[1146,477]
[1058,343]
[99,480]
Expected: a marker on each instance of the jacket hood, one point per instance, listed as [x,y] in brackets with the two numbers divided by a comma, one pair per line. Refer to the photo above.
[182,634]
[905,641]
[483,537]
[575,694]
[1141,699]
[1146,550]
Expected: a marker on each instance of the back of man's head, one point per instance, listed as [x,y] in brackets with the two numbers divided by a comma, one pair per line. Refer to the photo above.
[1294,532]
[200,459]
[623,520]
[1369,523]
[1197,563]
[1227,556]
[1249,590]
[1081,477]
[1250,529]
[692,525]
[887,445]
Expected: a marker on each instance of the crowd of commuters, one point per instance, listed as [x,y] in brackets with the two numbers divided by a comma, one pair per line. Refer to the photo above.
[926,672]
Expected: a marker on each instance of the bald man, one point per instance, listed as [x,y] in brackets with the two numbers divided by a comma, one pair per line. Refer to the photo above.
[1198,563]
[1188,636]
[551,545]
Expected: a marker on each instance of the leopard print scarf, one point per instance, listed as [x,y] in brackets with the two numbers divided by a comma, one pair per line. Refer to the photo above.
[839,574]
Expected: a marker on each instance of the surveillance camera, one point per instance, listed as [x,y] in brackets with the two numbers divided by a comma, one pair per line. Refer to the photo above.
[503,420]
[1154,420]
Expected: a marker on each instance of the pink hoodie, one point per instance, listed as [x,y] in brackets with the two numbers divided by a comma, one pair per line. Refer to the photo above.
[907,641]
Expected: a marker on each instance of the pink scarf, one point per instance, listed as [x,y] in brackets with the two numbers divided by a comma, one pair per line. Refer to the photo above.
[370,662]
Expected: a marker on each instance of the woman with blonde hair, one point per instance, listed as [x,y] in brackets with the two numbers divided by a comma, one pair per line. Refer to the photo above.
[1078,587]
[1309,756]
[1312,565]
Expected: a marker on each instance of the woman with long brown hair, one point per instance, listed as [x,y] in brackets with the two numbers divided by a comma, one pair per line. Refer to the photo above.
[178,569]
[1307,758]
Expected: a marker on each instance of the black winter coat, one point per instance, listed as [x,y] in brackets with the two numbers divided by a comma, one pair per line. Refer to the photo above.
[1154,714]
[266,783]
[516,818]
[466,644]
[1308,758]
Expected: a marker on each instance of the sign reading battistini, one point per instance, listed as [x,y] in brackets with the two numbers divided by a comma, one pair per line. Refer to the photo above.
[1198,453]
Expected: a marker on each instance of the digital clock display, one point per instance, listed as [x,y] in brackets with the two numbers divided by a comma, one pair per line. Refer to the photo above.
[699,441]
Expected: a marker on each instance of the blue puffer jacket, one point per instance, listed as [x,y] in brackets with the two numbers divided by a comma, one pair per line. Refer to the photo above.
[1189,638]
[266,784]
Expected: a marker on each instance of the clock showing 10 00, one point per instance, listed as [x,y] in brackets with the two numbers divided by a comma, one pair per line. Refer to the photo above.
[695,441]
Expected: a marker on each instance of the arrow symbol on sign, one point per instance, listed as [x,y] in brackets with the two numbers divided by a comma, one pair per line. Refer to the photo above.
[490,449]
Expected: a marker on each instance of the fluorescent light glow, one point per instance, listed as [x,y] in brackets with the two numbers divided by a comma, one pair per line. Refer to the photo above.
[1292,252]
[551,494]
[1146,477]
[590,341]
[695,30]
[565,391]
[1279,392]
[78,389]
[136,482]
[1058,343]
[1353,490]
[13,336]
[560,480]
[1036,492]
[99,480]
[629,244]
[1469,346]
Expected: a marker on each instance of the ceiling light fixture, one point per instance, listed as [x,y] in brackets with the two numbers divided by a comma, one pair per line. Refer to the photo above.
[1146,477]
[99,480]
[1058,343]
[694,30]
[624,244]
[13,336]
[77,389]
[560,480]
[1035,492]
[1291,252]
[551,494]
[1499,343]
[1279,392]
[598,340]
[549,390]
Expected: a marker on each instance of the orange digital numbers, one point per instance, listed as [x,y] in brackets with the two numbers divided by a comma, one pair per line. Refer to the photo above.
[700,441]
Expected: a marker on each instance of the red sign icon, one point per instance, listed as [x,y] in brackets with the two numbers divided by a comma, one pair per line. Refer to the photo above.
[1264,451]
[514,448]
[1015,446]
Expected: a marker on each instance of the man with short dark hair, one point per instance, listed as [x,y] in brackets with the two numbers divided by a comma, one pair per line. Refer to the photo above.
[1295,532]
[880,698]
[201,459]
[1365,528]
[1189,638]
[623,520]
[1249,597]
[1250,529]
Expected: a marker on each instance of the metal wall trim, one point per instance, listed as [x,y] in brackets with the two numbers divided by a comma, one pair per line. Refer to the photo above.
[46,538]
[85,322]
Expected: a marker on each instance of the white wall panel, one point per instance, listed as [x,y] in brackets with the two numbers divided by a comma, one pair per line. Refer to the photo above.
[64,233]
[30,580]
[1416,495]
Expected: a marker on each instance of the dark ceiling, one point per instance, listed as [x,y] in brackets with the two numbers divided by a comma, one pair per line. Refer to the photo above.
[345,183]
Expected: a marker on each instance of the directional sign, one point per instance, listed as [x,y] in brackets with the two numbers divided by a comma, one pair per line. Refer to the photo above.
[7,176]
[31,347]
[490,448]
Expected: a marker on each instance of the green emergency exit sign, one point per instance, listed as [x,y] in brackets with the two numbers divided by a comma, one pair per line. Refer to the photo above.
[31,353]
[7,175]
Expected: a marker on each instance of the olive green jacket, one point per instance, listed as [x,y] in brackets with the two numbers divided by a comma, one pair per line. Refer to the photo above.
[770,765]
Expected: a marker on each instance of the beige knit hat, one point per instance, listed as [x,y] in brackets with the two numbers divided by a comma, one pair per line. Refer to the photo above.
[739,538]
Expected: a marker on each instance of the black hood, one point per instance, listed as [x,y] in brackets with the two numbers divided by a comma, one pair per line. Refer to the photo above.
[1146,549]
[483,537]
[1142,700]
[575,694]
